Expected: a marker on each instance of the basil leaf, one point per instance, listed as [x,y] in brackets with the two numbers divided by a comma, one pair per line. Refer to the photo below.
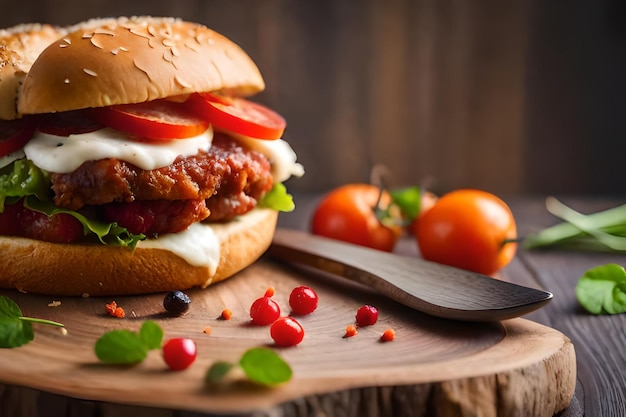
[23,178]
[218,371]
[121,347]
[14,332]
[602,290]
[278,199]
[151,334]
[107,233]
[264,366]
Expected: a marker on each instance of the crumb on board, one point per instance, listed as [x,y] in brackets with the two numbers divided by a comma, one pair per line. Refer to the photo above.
[114,310]
[207,330]
[54,303]
[226,314]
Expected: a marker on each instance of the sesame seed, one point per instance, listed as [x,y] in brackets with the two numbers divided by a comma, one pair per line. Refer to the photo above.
[68,41]
[87,35]
[168,42]
[167,55]
[182,82]
[104,32]
[95,43]
[90,72]
[115,51]
[66,81]
[123,49]
[174,51]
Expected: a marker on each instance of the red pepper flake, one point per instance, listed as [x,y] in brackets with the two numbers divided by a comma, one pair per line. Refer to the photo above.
[269,292]
[226,314]
[351,331]
[114,310]
[388,335]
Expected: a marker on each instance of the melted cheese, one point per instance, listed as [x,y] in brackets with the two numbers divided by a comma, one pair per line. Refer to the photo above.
[62,154]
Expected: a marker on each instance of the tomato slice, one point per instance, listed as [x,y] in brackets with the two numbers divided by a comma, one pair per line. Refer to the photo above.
[239,115]
[68,123]
[14,134]
[157,119]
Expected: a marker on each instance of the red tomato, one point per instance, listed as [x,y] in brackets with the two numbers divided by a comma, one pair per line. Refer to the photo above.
[14,134]
[468,229]
[68,123]
[239,115]
[348,213]
[158,119]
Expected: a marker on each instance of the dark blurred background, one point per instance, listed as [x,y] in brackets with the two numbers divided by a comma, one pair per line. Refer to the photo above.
[520,96]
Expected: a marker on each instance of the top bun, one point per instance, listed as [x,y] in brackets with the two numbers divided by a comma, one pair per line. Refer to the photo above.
[19,47]
[133,60]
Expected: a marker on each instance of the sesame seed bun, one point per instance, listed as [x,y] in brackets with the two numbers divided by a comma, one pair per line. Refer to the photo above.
[19,47]
[123,61]
[155,57]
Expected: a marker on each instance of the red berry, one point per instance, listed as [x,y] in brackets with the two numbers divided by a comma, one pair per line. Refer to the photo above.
[286,331]
[179,353]
[366,316]
[303,300]
[264,311]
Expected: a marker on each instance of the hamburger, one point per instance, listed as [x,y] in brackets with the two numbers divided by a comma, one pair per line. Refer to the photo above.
[141,165]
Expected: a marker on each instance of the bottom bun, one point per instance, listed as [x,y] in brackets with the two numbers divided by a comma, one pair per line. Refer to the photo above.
[95,270]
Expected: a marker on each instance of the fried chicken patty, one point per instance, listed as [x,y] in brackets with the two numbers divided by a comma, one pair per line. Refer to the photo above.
[229,177]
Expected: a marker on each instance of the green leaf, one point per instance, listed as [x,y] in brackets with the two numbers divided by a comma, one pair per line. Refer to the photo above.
[151,334]
[107,233]
[13,331]
[264,366]
[409,200]
[216,373]
[278,199]
[23,178]
[121,347]
[603,290]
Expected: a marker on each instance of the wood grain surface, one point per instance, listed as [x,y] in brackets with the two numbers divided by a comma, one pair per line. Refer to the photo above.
[439,367]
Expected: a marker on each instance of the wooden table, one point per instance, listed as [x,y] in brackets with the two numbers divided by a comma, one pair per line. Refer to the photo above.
[600,341]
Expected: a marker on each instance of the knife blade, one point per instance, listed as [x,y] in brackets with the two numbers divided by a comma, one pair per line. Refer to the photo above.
[429,287]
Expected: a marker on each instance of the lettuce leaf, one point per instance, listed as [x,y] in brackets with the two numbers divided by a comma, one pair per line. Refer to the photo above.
[22,178]
[107,233]
[278,199]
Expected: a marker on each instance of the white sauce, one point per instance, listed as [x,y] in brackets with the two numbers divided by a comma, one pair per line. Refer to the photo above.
[198,245]
[280,155]
[61,154]
[9,158]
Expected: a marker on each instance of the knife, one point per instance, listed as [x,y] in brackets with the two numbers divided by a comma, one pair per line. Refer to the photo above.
[429,287]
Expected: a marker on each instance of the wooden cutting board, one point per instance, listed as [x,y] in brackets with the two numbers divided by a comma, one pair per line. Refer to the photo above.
[433,367]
